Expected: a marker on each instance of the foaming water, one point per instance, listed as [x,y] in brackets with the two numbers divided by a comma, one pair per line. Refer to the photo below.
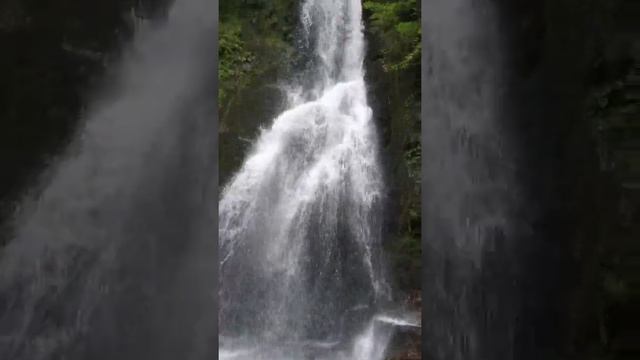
[300,271]
[369,344]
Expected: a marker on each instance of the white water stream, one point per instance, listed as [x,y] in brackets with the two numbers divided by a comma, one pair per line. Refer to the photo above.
[300,229]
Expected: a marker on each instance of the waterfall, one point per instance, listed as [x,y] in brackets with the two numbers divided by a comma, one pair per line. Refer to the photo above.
[470,188]
[300,228]
[112,252]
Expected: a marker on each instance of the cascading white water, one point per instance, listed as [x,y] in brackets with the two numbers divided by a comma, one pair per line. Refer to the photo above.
[299,222]
[110,258]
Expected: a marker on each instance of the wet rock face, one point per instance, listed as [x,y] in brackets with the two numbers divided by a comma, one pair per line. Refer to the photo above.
[547,53]
[405,344]
[556,51]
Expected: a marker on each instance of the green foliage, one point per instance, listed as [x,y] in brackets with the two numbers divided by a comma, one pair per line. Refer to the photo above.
[397,23]
[387,13]
[394,34]
[255,36]
[235,61]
